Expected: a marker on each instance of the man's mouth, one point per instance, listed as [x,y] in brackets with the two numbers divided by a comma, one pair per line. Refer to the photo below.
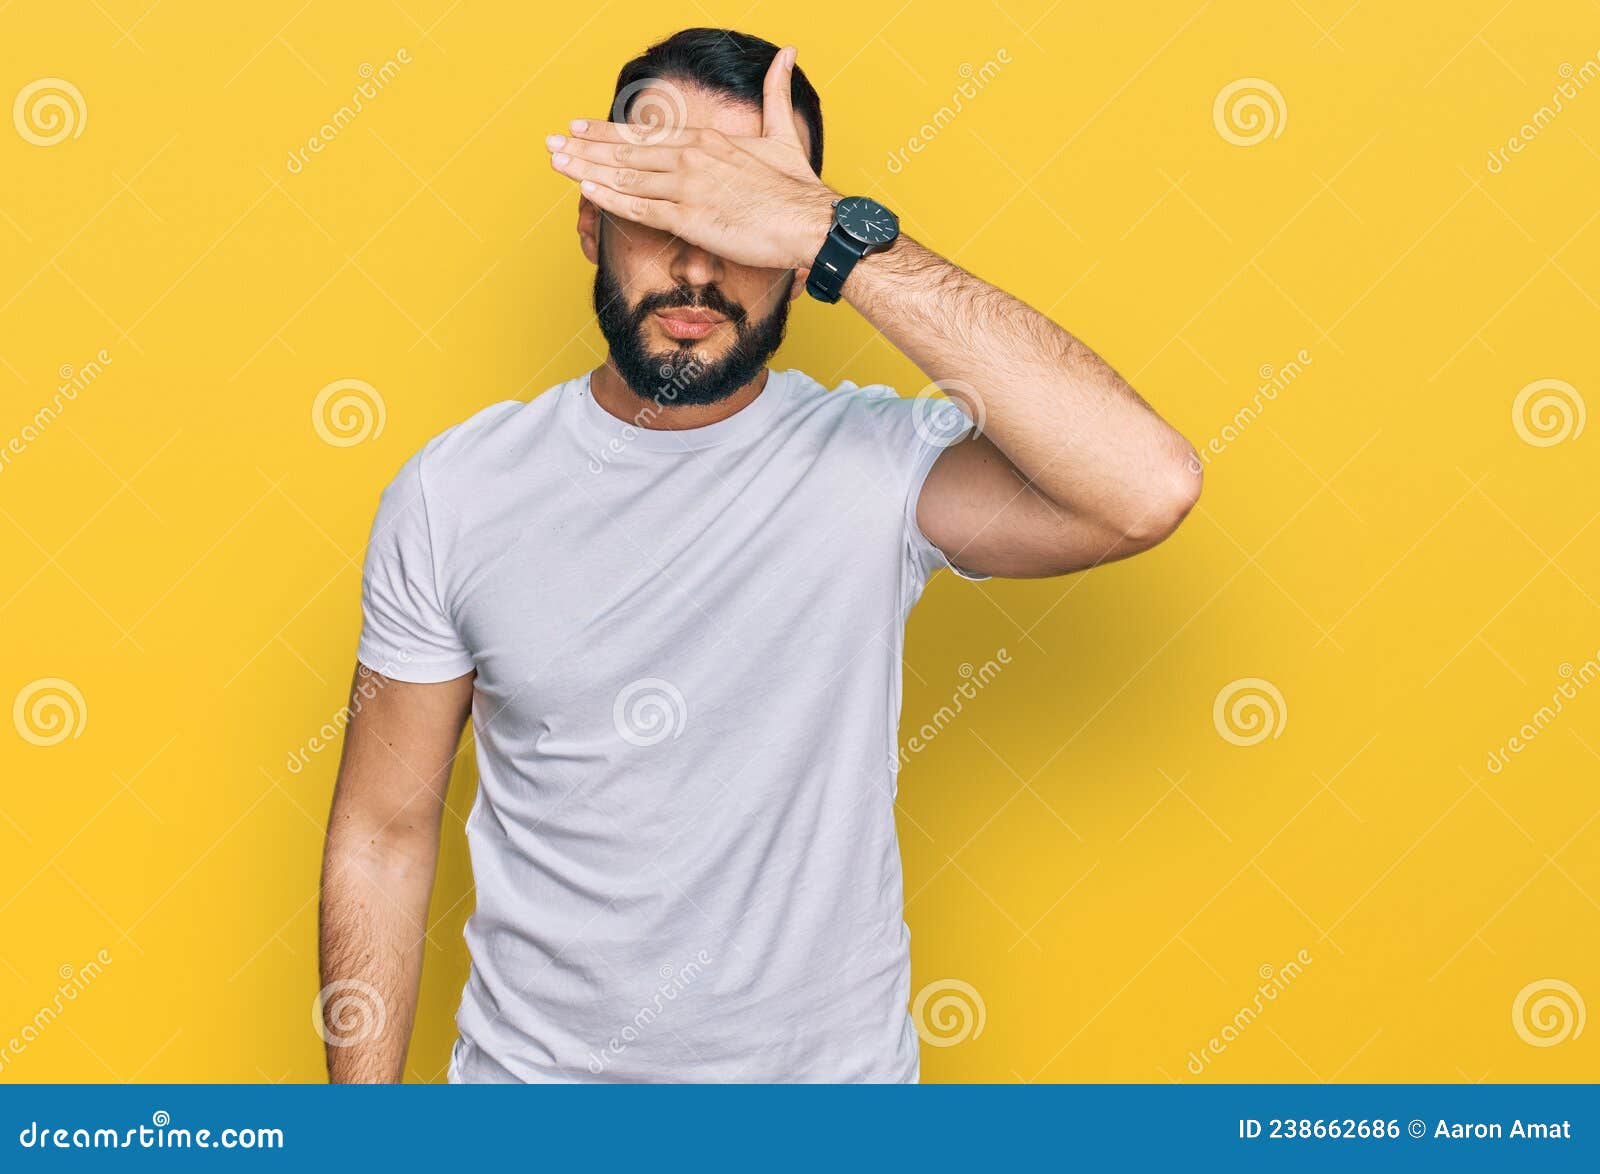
[687,323]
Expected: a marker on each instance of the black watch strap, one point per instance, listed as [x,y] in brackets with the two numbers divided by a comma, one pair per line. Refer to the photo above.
[833,264]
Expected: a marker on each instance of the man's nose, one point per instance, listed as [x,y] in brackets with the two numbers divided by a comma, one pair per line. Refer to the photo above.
[692,265]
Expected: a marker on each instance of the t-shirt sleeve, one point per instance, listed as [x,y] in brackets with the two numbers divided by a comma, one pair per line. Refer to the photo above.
[920,431]
[406,633]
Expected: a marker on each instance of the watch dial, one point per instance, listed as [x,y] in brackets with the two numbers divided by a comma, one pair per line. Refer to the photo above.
[867,220]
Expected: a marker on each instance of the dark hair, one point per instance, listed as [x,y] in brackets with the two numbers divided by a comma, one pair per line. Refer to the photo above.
[725,62]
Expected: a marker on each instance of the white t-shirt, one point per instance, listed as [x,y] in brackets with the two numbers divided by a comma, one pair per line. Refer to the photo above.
[688,647]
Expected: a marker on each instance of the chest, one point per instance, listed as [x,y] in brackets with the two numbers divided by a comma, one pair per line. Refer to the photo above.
[716,579]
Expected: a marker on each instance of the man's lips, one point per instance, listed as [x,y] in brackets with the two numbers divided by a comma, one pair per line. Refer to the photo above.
[685,323]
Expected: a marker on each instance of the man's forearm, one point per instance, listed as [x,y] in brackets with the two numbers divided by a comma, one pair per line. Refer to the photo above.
[1069,423]
[372,927]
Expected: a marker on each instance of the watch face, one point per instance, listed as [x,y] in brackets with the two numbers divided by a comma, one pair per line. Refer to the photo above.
[866,220]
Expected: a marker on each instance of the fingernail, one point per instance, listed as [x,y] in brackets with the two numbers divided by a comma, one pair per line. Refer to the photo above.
[560,160]
[579,125]
[794,55]
[555,142]
[586,186]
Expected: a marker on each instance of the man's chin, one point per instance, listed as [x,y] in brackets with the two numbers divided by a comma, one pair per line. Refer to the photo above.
[684,376]
[687,359]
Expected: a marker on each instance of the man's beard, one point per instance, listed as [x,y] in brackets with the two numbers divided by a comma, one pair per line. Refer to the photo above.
[680,376]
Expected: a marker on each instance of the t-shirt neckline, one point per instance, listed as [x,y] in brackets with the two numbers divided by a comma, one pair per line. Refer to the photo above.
[595,420]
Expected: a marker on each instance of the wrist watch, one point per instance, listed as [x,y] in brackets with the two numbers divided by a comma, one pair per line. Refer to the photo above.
[861,227]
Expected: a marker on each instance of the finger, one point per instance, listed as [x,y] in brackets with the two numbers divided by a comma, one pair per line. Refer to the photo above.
[615,154]
[594,131]
[777,109]
[650,213]
[654,185]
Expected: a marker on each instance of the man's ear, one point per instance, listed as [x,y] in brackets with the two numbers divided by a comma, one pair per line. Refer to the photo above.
[799,286]
[589,230]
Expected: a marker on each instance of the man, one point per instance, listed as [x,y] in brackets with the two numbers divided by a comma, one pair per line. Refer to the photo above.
[672,594]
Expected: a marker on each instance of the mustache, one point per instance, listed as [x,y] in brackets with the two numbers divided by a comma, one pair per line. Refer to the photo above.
[698,297]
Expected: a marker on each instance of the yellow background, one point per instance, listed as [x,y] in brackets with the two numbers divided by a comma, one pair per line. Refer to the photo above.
[1082,846]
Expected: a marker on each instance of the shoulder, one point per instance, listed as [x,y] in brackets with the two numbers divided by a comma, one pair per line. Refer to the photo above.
[868,410]
[846,398]
[461,448]
[877,413]
[466,455]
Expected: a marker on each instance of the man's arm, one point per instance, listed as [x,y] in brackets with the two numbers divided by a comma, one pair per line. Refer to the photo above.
[378,867]
[1072,468]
